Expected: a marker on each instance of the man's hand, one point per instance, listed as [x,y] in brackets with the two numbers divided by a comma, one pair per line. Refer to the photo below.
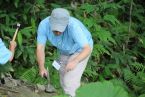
[71,65]
[41,60]
[43,72]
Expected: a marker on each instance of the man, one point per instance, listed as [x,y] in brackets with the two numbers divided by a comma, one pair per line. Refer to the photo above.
[73,41]
[6,54]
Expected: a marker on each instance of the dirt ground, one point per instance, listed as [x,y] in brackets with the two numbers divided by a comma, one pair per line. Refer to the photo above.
[23,91]
[16,88]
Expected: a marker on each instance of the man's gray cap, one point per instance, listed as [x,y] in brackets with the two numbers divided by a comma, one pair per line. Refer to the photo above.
[59,19]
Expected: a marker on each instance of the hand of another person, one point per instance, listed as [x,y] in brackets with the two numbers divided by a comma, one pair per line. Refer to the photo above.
[12,46]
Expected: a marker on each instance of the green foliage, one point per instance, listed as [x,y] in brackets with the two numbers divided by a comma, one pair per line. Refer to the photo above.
[88,8]
[118,53]
[32,76]
[143,95]
[103,89]
[4,69]
[112,19]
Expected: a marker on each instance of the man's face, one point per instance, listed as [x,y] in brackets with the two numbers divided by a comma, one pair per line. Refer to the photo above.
[57,33]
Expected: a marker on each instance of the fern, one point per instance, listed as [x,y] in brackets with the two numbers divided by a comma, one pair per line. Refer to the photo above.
[89,22]
[128,75]
[88,7]
[111,19]
[133,79]
[141,75]
[106,5]
[104,35]
[32,76]
[29,74]
[137,66]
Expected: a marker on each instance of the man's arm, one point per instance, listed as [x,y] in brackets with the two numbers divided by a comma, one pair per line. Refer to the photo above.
[83,54]
[40,52]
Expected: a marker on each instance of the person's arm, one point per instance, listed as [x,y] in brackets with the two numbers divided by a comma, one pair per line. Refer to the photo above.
[82,55]
[5,53]
[40,51]
[41,59]
[42,31]
[81,39]
[40,55]
[12,47]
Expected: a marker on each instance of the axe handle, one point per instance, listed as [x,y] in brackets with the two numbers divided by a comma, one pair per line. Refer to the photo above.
[14,37]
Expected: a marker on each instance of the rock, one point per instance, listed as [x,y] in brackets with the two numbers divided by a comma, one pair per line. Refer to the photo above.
[10,82]
[50,89]
[40,87]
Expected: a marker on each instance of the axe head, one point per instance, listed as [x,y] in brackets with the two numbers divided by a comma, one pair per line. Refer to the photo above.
[18,25]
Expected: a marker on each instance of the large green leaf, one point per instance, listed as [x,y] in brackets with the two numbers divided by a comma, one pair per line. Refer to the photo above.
[20,39]
[100,89]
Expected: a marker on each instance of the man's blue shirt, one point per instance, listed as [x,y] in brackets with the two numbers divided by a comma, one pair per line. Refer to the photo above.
[5,54]
[72,40]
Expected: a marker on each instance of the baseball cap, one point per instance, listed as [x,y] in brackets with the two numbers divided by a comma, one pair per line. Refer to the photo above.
[59,19]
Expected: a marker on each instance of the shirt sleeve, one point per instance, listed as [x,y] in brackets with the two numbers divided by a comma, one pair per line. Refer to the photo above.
[79,36]
[41,34]
[5,54]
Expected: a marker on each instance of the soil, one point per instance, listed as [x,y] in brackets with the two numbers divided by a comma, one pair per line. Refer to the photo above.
[22,91]
[16,88]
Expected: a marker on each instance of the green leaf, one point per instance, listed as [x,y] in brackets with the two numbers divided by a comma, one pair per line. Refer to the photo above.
[20,39]
[27,32]
[18,53]
[6,68]
[89,22]
[40,2]
[53,5]
[31,75]
[105,89]
[88,7]
[33,25]
[16,3]
[104,35]
[101,49]
[112,19]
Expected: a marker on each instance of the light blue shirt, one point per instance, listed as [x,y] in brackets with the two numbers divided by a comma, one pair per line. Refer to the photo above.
[72,40]
[5,54]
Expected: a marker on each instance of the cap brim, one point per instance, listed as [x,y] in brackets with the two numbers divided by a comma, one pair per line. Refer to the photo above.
[58,27]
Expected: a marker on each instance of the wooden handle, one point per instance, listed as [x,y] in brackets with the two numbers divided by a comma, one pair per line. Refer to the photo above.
[14,37]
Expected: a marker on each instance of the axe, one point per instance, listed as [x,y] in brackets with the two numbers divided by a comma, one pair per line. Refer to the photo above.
[14,37]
